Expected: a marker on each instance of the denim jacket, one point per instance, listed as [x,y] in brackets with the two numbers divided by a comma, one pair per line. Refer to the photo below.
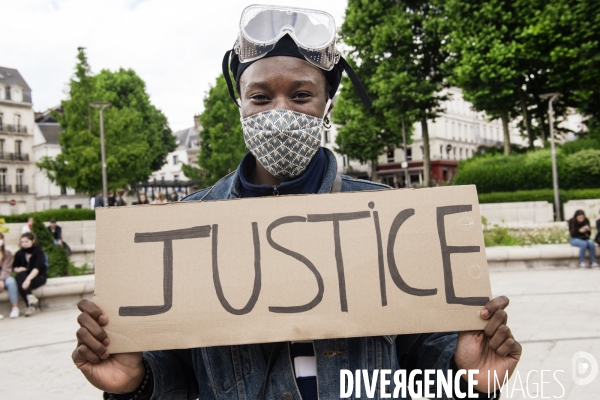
[238,372]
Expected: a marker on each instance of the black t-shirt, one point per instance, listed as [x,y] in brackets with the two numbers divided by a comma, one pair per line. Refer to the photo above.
[37,260]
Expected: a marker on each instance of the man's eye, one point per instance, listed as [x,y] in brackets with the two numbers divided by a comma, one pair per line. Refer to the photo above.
[260,97]
[303,95]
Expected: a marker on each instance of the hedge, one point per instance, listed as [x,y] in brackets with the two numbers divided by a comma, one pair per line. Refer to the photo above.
[61,214]
[538,195]
[530,171]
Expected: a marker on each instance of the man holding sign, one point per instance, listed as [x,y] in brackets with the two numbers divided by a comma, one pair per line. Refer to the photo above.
[287,70]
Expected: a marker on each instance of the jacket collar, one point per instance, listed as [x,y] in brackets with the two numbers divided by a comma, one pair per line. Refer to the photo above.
[229,187]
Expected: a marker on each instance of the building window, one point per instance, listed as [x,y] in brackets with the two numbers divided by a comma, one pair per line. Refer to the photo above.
[460,154]
[175,177]
[17,120]
[390,156]
[441,151]
[2,148]
[454,152]
[63,190]
[175,160]
[1,93]
[64,206]
[77,205]
[453,131]
[3,179]
[409,154]
[18,148]
[1,122]
[20,184]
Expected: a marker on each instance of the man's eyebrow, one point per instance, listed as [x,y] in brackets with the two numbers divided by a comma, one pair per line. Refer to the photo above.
[266,85]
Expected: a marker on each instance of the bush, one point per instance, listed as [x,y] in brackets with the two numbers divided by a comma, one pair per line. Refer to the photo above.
[502,236]
[61,214]
[538,195]
[530,171]
[580,144]
[57,256]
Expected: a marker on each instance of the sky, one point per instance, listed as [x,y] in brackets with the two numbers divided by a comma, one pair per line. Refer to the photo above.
[175,46]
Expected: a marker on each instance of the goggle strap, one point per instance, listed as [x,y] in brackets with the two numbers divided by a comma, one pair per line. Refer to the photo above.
[362,93]
[227,77]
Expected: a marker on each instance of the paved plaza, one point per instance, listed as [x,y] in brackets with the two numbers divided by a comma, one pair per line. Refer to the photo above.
[554,313]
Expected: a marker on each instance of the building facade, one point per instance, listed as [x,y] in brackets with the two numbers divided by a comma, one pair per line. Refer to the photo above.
[17,167]
[455,135]
[49,195]
[171,176]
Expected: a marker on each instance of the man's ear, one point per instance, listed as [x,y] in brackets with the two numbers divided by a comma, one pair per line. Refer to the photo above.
[330,108]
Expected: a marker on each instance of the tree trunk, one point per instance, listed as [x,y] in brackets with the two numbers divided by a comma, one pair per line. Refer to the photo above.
[374,175]
[426,158]
[527,120]
[504,118]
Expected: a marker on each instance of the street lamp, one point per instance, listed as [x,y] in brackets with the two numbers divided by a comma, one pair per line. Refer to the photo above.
[101,106]
[552,97]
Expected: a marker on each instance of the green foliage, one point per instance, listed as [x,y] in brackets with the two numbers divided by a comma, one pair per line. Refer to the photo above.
[221,136]
[538,195]
[502,236]
[486,62]
[396,49]
[581,144]
[137,137]
[57,256]
[530,171]
[61,214]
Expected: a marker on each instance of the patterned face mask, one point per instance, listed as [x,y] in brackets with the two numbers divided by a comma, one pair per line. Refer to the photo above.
[283,141]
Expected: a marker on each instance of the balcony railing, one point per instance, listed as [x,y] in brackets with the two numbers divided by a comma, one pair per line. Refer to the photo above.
[13,156]
[5,189]
[21,189]
[13,128]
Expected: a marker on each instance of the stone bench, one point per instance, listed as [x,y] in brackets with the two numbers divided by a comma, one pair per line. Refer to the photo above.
[57,292]
[557,255]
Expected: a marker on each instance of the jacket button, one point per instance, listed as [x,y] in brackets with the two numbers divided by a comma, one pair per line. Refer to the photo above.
[287,396]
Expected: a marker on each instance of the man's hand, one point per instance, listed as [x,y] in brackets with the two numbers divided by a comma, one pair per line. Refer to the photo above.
[113,373]
[493,349]
[26,284]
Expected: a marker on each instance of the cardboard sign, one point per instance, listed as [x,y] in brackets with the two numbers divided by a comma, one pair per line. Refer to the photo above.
[196,274]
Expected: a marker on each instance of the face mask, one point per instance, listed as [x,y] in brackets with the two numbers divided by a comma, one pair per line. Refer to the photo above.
[283,141]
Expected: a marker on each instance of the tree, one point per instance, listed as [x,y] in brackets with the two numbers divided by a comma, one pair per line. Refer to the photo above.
[222,143]
[397,46]
[137,137]
[486,57]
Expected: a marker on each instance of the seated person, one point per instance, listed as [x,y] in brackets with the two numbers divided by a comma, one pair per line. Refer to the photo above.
[580,231]
[6,281]
[56,232]
[30,266]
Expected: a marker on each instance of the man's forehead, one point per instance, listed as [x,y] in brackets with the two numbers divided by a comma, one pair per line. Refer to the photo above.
[273,68]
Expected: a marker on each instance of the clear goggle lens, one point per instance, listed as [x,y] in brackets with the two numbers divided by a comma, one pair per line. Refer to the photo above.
[313,31]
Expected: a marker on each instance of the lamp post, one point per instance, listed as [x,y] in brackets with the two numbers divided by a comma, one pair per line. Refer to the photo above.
[405,163]
[552,97]
[101,106]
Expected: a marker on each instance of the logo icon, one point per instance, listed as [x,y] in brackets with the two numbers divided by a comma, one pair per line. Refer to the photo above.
[585,368]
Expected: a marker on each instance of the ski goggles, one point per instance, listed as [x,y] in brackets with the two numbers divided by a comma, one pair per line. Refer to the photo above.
[261,27]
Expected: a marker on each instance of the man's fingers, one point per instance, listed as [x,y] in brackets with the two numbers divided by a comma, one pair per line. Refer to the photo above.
[86,321]
[83,354]
[510,346]
[497,303]
[500,317]
[502,333]
[87,306]
[86,338]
